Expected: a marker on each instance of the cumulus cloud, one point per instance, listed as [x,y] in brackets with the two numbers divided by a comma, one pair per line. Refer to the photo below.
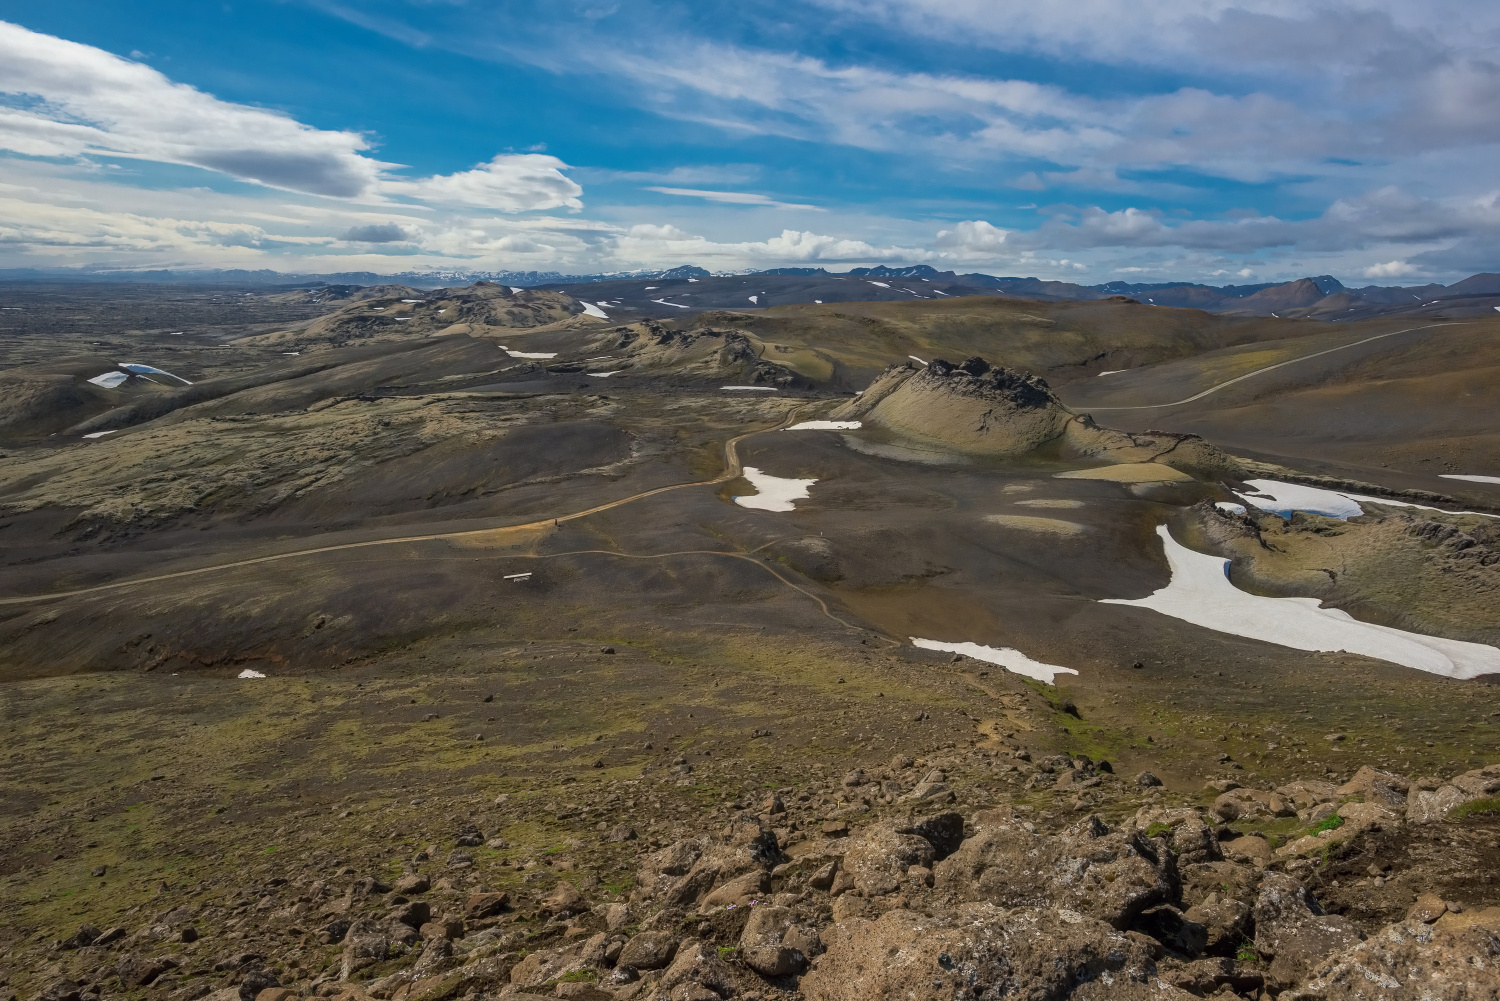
[651,242]
[63,99]
[520,182]
[67,100]
[971,238]
[1390,269]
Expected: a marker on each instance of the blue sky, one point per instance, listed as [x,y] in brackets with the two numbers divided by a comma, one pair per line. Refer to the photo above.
[1092,141]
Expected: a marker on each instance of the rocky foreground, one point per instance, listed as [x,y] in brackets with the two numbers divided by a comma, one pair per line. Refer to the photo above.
[896,883]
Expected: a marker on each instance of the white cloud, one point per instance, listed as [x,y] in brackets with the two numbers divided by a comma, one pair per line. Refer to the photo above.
[521,182]
[732,198]
[62,99]
[973,238]
[653,243]
[72,100]
[1390,269]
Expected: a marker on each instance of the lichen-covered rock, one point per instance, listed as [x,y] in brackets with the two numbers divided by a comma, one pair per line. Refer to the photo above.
[879,855]
[1376,786]
[648,950]
[366,943]
[685,872]
[1111,876]
[1185,831]
[697,964]
[976,950]
[544,965]
[1423,806]
[1251,804]
[764,947]
[1293,932]
[1409,961]
[1305,794]
[1225,921]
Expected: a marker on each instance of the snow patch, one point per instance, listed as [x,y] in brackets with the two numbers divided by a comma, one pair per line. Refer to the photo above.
[247,673]
[881,284]
[755,299]
[666,303]
[109,380]
[1009,658]
[603,375]
[589,309]
[541,355]
[824,426]
[751,389]
[1200,592]
[1113,371]
[139,369]
[773,493]
[1470,477]
[100,434]
[917,360]
[1283,498]
[1229,508]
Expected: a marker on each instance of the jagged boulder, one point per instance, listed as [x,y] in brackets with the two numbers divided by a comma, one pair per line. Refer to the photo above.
[766,946]
[1409,960]
[878,856]
[1423,806]
[685,872]
[976,950]
[1306,794]
[1225,920]
[697,965]
[1293,931]
[1252,804]
[1185,832]
[1376,786]
[1108,875]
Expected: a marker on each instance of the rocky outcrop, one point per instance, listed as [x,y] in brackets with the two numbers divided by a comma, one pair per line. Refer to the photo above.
[976,950]
[687,871]
[1423,806]
[1293,932]
[979,408]
[1111,876]
[1409,960]
[972,407]
[995,904]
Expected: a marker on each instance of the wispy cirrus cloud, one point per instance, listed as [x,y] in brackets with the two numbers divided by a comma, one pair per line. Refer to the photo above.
[733,198]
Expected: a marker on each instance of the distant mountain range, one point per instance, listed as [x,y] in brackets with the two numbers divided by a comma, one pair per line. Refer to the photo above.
[1321,297]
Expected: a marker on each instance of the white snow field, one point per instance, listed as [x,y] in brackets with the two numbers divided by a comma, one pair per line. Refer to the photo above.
[139,369]
[775,493]
[1283,498]
[109,380]
[825,426]
[1200,592]
[1009,658]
